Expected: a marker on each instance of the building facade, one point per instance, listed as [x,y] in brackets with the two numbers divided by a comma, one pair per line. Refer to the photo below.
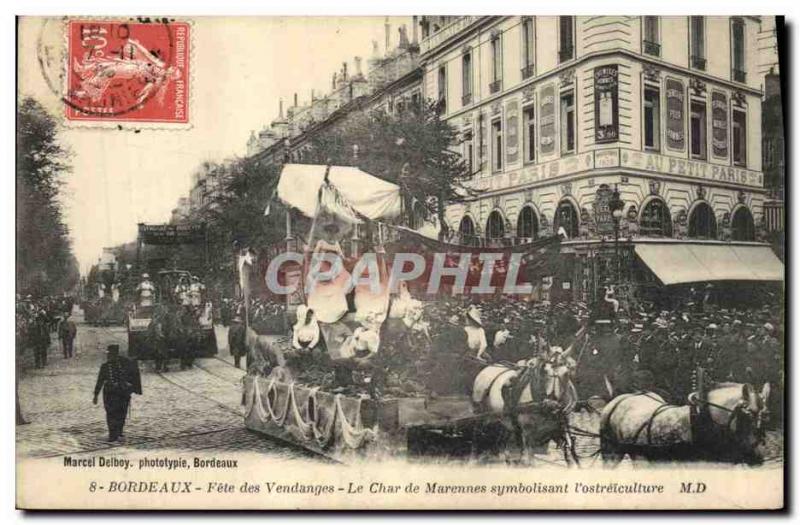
[566,118]
[774,146]
[392,82]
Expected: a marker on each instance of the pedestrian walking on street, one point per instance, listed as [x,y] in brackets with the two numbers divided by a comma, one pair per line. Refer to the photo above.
[41,342]
[236,342]
[66,334]
[118,379]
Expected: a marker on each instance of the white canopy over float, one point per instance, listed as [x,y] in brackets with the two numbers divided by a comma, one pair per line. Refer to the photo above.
[299,187]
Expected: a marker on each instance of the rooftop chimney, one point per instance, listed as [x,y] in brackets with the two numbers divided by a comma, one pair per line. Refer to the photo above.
[414,28]
[387,32]
[357,61]
[280,108]
[295,100]
[313,98]
[344,71]
[403,37]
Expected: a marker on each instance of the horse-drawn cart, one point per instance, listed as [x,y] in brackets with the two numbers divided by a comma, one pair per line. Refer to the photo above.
[177,325]
[346,425]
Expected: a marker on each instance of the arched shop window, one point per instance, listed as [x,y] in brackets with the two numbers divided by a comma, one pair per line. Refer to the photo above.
[702,222]
[566,216]
[466,232]
[743,225]
[656,220]
[527,224]
[495,226]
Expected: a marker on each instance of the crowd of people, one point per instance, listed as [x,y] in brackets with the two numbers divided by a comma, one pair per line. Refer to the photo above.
[658,351]
[37,319]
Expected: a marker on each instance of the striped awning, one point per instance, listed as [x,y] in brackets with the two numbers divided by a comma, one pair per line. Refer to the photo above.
[690,263]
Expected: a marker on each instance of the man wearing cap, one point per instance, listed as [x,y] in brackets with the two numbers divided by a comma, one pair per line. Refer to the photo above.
[118,378]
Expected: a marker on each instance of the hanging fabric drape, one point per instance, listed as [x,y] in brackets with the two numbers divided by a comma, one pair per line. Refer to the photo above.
[349,188]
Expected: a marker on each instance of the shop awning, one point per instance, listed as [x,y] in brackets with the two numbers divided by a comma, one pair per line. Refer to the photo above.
[370,196]
[690,263]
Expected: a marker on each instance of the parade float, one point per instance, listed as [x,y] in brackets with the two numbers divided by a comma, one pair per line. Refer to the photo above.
[161,314]
[398,368]
[101,302]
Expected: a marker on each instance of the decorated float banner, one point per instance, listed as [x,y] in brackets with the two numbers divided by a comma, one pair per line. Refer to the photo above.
[166,234]
[719,124]
[451,269]
[606,103]
[676,134]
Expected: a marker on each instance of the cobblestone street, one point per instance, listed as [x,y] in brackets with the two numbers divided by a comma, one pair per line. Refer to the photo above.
[187,410]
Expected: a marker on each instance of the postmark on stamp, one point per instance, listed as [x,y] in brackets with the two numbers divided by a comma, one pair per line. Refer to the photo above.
[127,71]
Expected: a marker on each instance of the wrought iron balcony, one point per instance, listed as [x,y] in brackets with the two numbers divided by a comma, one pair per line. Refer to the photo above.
[738,75]
[495,86]
[527,71]
[651,48]
[698,62]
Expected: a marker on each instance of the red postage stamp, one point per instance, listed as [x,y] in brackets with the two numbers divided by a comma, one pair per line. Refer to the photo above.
[134,71]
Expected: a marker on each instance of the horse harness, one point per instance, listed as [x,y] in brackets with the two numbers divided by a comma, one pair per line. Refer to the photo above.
[648,425]
[699,418]
[738,411]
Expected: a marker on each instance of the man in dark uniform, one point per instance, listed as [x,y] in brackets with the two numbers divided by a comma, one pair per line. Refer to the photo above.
[598,360]
[446,368]
[118,379]
[188,332]
[236,342]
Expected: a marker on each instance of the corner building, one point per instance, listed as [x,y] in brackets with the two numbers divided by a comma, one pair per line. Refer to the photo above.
[565,119]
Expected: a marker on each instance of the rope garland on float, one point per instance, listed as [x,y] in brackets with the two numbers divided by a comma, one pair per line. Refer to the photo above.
[337,430]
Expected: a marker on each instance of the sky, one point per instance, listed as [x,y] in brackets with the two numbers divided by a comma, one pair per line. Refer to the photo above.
[241,67]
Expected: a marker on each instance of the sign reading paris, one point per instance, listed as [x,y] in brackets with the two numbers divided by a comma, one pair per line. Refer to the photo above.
[128,71]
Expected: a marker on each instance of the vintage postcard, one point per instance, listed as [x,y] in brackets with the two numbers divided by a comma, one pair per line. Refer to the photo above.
[408,262]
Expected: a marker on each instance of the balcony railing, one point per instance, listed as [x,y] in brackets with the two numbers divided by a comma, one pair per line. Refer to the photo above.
[651,48]
[466,100]
[527,71]
[567,53]
[446,32]
[495,86]
[698,62]
[738,75]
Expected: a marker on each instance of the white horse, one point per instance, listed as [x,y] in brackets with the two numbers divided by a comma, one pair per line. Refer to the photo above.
[532,399]
[643,425]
